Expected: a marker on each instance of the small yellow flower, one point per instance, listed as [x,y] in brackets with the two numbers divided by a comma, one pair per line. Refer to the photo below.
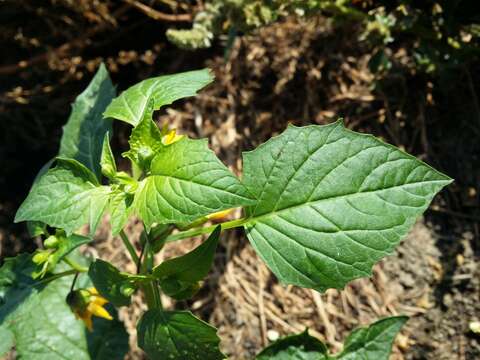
[171,137]
[87,302]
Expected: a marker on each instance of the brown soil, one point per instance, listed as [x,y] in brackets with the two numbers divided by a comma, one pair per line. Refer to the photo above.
[296,71]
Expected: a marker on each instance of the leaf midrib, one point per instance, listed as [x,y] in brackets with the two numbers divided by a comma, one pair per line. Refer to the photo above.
[255,219]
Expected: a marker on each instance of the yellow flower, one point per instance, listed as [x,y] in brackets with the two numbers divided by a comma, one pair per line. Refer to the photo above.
[87,302]
[171,137]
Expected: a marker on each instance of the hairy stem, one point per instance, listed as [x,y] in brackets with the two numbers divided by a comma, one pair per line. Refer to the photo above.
[205,230]
[129,246]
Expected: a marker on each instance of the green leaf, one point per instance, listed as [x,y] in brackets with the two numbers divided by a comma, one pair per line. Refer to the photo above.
[187,181]
[7,340]
[119,209]
[132,104]
[178,277]
[37,228]
[374,341]
[145,142]
[43,326]
[85,129]
[332,202]
[109,339]
[177,335]
[108,280]
[69,243]
[301,346]
[67,196]
[107,160]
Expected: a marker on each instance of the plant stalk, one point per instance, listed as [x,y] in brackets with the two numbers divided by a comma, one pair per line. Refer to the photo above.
[150,289]
[74,265]
[129,246]
[205,230]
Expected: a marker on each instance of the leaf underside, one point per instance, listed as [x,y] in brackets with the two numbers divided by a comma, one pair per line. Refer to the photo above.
[332,202]
[133,104]
[187,182]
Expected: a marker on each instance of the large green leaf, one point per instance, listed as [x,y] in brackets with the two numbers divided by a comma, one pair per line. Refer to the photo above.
[295,347]
[108,280]
[177,335]
[370,343]
[179,276]
[42,324]
[67,196]
[332,202]
[187,181]
[84,132]
[132,104]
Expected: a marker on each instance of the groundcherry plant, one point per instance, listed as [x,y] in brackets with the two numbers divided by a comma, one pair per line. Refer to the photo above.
[321,205]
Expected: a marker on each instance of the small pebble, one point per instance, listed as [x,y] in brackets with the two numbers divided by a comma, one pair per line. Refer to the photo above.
[273,335]
[474,327]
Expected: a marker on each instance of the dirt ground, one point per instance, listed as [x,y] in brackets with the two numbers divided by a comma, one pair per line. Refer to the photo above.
[297,72]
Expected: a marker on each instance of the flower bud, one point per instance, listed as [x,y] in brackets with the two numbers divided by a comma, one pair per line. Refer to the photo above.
[51,242]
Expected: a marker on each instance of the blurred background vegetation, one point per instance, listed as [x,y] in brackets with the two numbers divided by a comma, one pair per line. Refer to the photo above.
[406,71]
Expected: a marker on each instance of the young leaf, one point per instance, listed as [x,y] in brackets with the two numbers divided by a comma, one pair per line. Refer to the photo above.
[332,202]
[187,181]
[145,142]
[132,104]
[301,346]
[179,276]
[43,326]
[177,335]
[84,132]
[107,160]
[109,281]
[374,341]
[67,196]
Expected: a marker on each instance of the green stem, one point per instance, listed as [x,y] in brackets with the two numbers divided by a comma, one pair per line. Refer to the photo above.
[205,230]
[129,246]
[75,265]
[150,289]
